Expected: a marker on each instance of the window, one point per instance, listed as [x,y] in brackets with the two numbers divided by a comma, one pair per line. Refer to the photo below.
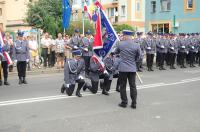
[75,2]
[112,12]
[189,4]
[165,5]
[137,6]
[160,28]
[153,6]
[0,11]
[123,12]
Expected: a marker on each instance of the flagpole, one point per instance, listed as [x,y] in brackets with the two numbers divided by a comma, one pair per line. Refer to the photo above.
[83,16]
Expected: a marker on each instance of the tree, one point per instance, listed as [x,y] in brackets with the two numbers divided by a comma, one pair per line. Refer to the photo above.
[47,15]
[119,28]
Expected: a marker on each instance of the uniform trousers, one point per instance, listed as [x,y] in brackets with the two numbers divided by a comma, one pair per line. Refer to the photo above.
[191,58]
[87,63]
[172,57]
[161,59]
[149,60]
[71,88]
[4,65]
[130,76]
[182,57]
[94,87]
[106,84]
[21,68]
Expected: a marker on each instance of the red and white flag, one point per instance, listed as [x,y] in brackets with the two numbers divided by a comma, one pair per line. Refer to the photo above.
[87,10]
[98,43]
[4,53]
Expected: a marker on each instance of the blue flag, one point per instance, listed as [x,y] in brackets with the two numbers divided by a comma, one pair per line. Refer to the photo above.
[109,37]
[66,13]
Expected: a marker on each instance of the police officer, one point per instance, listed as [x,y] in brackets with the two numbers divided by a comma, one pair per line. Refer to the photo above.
[172,50]
[192,50]
[87,42]
[140,40]
[75,40]
[129,52]
[161,50]
[4,63]
[96,69]
[109,66]
[73,73]
[21,56]
[182,50]
[150,47]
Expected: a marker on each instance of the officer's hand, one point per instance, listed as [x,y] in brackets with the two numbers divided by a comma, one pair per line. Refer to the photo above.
[15,61]
[27,60]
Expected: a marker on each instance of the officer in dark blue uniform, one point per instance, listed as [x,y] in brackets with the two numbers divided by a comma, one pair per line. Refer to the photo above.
[130,53]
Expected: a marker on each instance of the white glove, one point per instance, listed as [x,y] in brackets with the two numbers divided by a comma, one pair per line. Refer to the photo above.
[75,47]
[183,47]
[15,61]
[192,47]
[162,47]
[80,77]
[172,48]
[85,49]
[27,60]
[149,48]
[66,85]
[187,52]
[105,72]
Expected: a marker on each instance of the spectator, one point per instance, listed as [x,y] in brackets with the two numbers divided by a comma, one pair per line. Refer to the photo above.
[60,51]
[45,43]
[34,56]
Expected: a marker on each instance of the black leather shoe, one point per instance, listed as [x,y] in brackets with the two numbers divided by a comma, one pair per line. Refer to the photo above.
[78,94]
[6,83]
[105,93]
[139,70]
[25,82]
[122,105]
[20,81]
[62,89]
[151,69]
[133,106]
[117,90]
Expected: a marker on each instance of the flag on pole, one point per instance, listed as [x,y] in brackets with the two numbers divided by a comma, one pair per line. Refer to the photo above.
[87,10]
[2,52]
[98,43]
[105,38]
[66,14]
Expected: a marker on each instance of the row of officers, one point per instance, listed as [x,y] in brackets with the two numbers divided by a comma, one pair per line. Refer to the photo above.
[183,49]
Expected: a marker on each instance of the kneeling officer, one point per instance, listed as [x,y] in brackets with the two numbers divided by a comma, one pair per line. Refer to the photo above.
[73,73]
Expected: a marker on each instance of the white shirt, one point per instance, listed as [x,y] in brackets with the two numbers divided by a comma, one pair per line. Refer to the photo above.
[45,42]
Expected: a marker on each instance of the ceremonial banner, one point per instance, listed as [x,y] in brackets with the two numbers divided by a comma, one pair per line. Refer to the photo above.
[66,13]
[108,37]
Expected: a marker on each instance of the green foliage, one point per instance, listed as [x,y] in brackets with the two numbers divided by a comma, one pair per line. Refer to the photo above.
[47,15]
[119,28]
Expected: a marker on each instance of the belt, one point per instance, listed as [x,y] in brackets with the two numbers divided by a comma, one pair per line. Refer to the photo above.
[20,52]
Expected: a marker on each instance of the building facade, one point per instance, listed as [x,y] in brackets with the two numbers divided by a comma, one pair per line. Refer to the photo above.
[2,15]
[131,12]
[177,16]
